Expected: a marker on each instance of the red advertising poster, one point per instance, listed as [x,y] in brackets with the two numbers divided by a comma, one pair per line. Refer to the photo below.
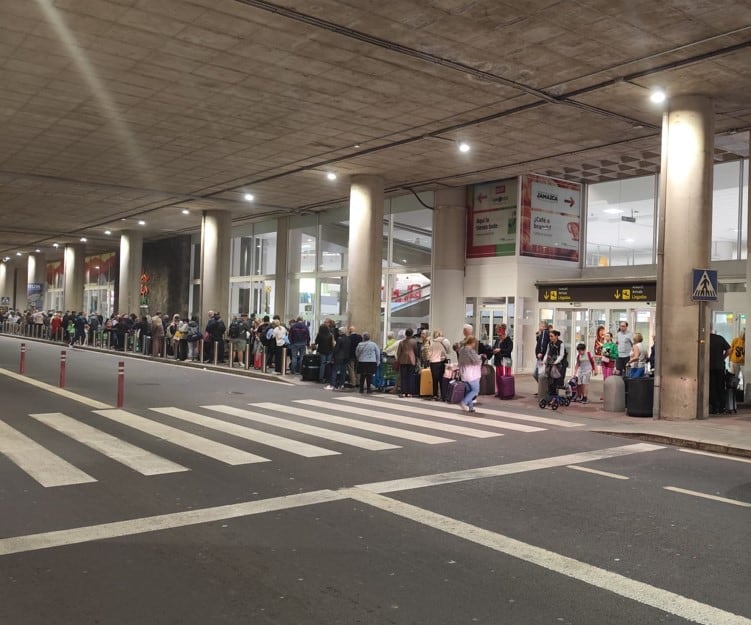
[550,218]
[491,219]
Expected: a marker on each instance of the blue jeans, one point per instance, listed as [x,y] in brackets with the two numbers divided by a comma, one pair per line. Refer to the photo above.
[324,359]
[296,352]
[472,393]
[338,374]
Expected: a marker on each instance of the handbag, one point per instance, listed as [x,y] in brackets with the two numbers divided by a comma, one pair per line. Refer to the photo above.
[555,372]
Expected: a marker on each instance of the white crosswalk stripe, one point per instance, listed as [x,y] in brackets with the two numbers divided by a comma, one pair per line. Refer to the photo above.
[304,428]
[45,467]
[379,414]
[264,438]
[199,444]
[443,412]
[131,456]
[419,437]
[485,410]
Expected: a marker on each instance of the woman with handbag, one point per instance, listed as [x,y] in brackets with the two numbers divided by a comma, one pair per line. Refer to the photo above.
[555,362]
[608,355]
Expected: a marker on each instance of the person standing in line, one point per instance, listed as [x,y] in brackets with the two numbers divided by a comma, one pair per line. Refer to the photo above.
[406,357]
[737,356]
[367,354]
[354,340]
[719,349]
[279,332]
[503,346]
[625,342]
[437,357]
[299,339]
[638,358]
[157,335]
[324,345]
[542,338]
[470,365]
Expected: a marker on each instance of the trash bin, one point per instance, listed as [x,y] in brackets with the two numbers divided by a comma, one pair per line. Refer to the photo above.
[639,396]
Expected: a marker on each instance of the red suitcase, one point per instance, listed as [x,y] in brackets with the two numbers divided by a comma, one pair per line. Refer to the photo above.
[258,360]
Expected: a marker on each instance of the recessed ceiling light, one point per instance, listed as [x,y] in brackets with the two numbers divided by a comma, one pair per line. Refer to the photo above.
[657,96]
[55,245]
[19,254]
[36,251]
[464,147]
[141,222]
[83,239]
[249,197]
[331,175]
[108,232]
[97,267]
[185,211]
[357,145]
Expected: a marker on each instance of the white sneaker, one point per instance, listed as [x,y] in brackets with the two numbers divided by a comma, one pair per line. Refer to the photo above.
[465,408]
[328,387]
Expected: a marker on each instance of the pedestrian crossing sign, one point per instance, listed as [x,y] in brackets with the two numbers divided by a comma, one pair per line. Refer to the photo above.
[704,285]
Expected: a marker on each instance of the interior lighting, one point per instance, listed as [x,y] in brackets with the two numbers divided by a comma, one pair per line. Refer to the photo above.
[612,211]
[331,175]
[108,232]
[464,147]
[55,245]
[657,96]
[36,251]
[83,239]
[249,197]
[141,222]
[19,254]
[185,211]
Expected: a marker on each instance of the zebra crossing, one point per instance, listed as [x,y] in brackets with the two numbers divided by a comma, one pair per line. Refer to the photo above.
[425,423]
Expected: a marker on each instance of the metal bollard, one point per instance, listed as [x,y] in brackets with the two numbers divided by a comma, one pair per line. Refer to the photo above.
[22,364]
[247,356]
[285,353]
[263,361]
[63,358]
[200,350]
[216,352]
[120,383]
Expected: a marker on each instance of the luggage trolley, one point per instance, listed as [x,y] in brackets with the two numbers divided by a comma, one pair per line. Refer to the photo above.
[385,377]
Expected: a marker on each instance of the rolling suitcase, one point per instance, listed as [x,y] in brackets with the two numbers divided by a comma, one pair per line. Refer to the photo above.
[506,387]
[311,367]
[258,360]
[426,382]
[456,390]
[487,380]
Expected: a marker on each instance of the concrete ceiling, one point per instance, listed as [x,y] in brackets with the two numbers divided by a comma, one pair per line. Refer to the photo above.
[119,110]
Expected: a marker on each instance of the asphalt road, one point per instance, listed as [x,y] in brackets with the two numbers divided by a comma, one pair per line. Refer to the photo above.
[213,499]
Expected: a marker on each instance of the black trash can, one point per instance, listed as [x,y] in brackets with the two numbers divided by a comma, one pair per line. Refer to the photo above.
[640,394]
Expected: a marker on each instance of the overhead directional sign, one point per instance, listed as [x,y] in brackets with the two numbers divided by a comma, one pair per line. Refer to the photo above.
[704,285]
[619,292]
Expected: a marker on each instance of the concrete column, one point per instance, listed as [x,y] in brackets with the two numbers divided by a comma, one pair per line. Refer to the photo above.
[6,284]
[365,251]
[131,262]
[746,203]
[280,286]
[36,275]
[447,310]
[216,233]
[74,268]
[682,379]
[21,286]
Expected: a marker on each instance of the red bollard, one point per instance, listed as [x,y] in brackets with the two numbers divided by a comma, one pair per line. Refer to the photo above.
[62,369]
[22,363]
[120,383]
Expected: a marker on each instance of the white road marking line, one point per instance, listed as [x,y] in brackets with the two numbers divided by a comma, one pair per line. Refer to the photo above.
[419,437]
[507,414]
[304,428]
[423,423]
[714,455]
[199,444]
[499,470]
[39,463]
[117,529]
[643,593]
[289,445]
[81,399]
[131,456]
[735,502]
[455,415]
[615,476]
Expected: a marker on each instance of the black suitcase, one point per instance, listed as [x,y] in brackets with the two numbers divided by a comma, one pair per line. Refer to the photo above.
[311,367]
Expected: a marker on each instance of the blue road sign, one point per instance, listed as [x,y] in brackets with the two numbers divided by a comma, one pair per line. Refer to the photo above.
[704,287]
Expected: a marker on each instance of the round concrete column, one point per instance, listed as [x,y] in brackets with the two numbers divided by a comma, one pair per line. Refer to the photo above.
[280,286]
[216,233]
[6,284]
[73,266]
[36,275]
[681,384]
[129,285]
[447,310]
[365,254]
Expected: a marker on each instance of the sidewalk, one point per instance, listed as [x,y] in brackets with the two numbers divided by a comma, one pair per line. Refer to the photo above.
[729,434]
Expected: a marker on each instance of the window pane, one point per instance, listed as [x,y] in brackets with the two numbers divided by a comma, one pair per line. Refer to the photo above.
[744,211]
[410,301]
[413,238]
[725,196]
[301,297]
[264,253]
[303,244]
[334,244]
[613,240]
[333,298]
[242,255]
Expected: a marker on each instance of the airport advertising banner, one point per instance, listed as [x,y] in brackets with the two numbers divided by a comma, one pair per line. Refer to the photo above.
[491,227]
[550,218]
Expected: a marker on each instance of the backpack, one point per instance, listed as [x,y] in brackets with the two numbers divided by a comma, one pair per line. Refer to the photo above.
[235,329]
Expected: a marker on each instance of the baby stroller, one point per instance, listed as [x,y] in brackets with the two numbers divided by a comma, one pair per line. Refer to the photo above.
[555,386]
[572,389]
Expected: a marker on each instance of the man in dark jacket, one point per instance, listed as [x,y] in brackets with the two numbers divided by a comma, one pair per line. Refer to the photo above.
[299,339]
[216,328]
[341,357]
[354,340]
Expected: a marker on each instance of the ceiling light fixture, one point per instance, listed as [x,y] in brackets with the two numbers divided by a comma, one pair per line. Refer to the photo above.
[55,245]
[331,175]
[464,146]
[249,197]
[185,211]
[141,222]
[108,232]
[19,253]
[657,96]
[83,239]
[36,251]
